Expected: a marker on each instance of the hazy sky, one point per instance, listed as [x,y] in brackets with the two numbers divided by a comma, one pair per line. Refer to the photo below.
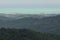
[29,5]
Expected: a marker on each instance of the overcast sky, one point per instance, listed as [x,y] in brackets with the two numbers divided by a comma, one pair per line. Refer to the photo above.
[42,3]
[28,4]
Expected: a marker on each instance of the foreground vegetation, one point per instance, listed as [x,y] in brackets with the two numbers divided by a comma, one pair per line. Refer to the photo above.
[25,34]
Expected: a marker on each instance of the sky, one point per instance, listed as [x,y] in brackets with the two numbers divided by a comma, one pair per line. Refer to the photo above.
[29,6]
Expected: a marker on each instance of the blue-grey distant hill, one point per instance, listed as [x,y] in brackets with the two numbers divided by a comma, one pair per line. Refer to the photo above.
[43,23]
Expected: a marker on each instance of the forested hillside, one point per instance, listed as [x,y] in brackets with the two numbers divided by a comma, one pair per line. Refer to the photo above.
[25,34]
[50,24]
[30,27]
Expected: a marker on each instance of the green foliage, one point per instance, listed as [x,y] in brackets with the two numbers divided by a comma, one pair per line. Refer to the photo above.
[25,34]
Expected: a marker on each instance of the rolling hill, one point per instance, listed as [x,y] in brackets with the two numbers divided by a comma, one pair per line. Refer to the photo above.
[50,24]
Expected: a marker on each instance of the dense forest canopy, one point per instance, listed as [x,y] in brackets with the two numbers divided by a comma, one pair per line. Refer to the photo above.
[25,34]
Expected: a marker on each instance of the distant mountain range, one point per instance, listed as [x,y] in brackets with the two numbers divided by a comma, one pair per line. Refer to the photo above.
[43,23]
